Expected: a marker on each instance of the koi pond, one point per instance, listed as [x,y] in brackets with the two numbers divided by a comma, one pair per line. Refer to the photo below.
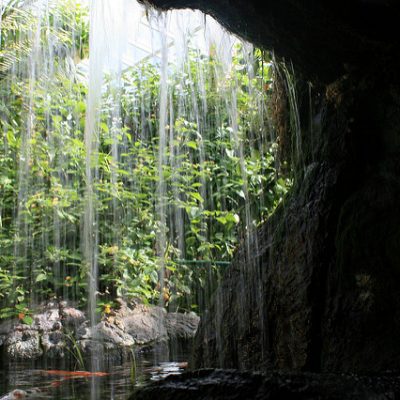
[25,380]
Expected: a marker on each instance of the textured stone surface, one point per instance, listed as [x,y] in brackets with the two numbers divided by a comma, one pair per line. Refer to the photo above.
[323,39]
[146,324]
[317,288]
[58,326]
[182,326]
[232,385]
[23,343]
[105,340]
[71,317]
[45,320]
[54,344]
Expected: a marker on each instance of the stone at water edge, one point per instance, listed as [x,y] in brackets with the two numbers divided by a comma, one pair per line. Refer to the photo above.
[45,320]
[23,343]
[71,317]
[54,344]
[18,394]
[15,395]
[182,326]
[45,336]
[132,324]
[106,339]
[145,324]
[210,384]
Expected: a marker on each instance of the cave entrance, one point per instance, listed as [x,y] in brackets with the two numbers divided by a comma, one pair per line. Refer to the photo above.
[138,151]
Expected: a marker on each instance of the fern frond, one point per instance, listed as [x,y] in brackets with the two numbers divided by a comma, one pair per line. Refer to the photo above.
[14,53]
[17,20]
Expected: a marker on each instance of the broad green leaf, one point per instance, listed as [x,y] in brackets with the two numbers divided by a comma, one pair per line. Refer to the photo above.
[41,277]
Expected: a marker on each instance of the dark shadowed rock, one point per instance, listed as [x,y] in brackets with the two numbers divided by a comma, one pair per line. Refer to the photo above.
[234,385]
[182,326]
[5,328]
[318,286]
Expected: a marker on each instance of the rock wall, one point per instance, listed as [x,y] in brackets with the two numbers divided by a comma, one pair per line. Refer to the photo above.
[317,287]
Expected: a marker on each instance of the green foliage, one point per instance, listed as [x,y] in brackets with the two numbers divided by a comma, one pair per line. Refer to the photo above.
[219,176]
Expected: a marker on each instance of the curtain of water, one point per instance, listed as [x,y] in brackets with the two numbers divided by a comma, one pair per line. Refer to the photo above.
[148,109]
[90,233]
[161,191]
[23,238]
[106,45]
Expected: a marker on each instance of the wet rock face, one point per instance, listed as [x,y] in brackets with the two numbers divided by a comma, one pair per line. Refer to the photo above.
[318,286]
[323,39]
[233,385]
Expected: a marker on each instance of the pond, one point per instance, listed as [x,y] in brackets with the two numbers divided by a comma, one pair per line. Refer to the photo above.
[42,381]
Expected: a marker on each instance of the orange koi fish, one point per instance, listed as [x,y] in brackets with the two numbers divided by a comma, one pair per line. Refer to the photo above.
[76,374]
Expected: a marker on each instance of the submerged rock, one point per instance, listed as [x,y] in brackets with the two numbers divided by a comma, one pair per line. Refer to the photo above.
[18,394]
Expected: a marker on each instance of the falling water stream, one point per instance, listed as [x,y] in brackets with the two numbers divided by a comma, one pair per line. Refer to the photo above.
[151,178]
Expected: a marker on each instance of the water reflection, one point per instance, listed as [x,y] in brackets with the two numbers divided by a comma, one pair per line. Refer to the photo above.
[40,381]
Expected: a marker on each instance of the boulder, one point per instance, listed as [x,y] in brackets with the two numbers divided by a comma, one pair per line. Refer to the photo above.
[71,317]
[181,326]
[54,344]
[16,394]
[23,343]
[131,325]
[107,335]
[145,324]
[45,320]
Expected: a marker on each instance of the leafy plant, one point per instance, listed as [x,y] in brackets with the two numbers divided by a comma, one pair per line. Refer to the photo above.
[218,172]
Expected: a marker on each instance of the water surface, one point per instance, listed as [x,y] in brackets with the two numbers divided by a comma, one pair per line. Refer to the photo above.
[117,385]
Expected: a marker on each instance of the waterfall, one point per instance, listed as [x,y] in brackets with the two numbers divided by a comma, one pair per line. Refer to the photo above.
[145,157]
[106,45]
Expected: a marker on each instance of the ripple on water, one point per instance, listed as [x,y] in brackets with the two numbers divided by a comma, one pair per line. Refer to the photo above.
[116,384]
